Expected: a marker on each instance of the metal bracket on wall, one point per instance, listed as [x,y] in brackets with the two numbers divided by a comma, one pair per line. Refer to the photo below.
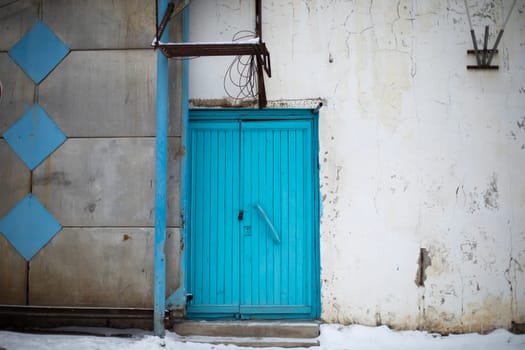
[255,47]
[484,57]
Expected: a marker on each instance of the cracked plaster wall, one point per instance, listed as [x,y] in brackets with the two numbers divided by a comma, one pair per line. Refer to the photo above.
[415,151]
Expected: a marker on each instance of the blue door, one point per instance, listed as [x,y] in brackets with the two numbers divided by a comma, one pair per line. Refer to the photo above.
[252,230]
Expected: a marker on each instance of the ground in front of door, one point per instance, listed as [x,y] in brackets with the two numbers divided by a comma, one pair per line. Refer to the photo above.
[333,337]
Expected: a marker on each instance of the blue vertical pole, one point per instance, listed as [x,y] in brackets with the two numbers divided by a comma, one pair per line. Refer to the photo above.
[185,144]
[177,300]
[159,287]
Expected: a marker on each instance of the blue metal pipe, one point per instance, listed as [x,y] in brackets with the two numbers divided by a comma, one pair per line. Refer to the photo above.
[185,144]
[177,301]
[159,279]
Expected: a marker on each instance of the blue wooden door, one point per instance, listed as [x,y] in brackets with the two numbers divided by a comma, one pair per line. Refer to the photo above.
[252,236]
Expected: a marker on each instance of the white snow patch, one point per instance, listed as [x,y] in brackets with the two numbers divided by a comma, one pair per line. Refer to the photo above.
[333,337]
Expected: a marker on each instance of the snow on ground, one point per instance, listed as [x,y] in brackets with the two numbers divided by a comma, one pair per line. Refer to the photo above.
[333,337]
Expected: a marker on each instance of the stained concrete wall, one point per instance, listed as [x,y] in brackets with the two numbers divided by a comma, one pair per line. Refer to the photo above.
[416,151]
[100,183]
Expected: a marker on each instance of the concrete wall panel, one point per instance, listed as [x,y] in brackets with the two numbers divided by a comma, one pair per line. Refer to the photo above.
[95,267]
[16,18]
[173,253]
[104,93]
[109,93]
[106,182]
[175,81]
[15,179]
[175,98]
[13,274]
[99,24]
[18,94]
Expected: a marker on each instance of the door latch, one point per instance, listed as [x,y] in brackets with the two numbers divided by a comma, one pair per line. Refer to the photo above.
[241,215]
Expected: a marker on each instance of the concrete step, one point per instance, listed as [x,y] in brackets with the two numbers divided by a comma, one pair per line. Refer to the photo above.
[254,342]
[248,329]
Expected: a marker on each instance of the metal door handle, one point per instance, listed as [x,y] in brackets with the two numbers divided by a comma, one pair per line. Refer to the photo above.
[261,211]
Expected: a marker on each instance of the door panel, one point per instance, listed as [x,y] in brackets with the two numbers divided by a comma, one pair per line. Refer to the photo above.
[276,161]
[214,227]
[261,265]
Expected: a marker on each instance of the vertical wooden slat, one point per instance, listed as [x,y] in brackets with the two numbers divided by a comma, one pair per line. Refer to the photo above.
[276,194]
[215,229]
[226,179]
[236,186]
[193,223]
[199,223]
[309,188]
[297,219]
[285,235]
[301,217]
[221,232]
[246,189]
[206,217]
[270,245]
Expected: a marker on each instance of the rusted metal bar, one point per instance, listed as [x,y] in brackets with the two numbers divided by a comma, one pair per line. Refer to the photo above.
[10,311]
[258,19]
[485,45]
[265,55]
[475,43]
[495,48]
[482,67]
[156,21]
[263,101]
[473,35]
[489,51]
[211,49]
[165,19]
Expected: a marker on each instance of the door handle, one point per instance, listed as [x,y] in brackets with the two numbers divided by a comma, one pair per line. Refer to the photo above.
[261,211]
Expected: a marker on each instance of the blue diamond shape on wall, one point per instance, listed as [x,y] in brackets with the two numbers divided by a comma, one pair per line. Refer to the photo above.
[34,136]
[38,52]
[29,226]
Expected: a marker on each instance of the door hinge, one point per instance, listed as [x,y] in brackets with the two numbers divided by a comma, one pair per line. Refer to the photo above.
[241,215]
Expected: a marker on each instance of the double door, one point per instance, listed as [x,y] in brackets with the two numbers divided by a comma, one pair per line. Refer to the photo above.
[252,244]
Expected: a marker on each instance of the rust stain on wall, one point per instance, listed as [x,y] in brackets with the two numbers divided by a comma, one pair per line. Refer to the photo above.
[423,262]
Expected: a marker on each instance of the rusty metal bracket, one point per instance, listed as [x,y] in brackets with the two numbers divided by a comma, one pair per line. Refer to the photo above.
[257,49]
[484,57]
[162,26]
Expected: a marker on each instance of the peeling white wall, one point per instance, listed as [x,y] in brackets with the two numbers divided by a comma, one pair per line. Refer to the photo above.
[416,150]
